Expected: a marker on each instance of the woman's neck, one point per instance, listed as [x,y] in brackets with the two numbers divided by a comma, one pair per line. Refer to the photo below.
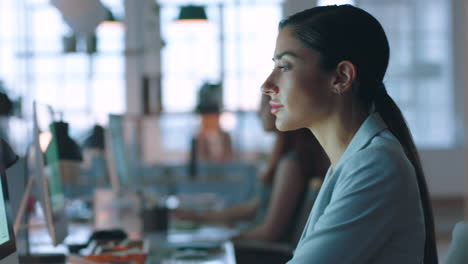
[337,131]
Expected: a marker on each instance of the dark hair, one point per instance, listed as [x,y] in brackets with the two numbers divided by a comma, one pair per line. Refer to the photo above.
[345,32]
[210,99]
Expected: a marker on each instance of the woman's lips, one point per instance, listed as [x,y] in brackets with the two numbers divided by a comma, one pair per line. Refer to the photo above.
[275,108]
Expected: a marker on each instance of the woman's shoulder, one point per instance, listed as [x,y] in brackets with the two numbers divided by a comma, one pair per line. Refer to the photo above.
[383,149]
[383,156]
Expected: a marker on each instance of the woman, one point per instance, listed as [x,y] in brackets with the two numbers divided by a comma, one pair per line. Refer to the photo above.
[211,143]
[296,158]
[373,206]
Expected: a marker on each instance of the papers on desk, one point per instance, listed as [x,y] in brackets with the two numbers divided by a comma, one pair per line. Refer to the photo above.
[207,253]
[206,244]
[199,254]
[205,234]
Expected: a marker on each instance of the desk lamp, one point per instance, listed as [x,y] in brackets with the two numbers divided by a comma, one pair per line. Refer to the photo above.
[95,139]
[192,13]
[63,148]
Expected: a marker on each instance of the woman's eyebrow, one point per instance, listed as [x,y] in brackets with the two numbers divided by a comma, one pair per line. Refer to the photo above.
[280,55]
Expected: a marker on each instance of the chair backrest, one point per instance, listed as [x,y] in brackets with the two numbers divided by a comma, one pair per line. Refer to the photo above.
[458,249]
[303,215]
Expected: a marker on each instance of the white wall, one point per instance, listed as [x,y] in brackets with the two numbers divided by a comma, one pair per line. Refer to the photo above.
[444,171]
[293,6]
[460,55]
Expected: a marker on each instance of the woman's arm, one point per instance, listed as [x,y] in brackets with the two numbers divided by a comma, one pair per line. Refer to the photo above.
[242,211]
[288,185]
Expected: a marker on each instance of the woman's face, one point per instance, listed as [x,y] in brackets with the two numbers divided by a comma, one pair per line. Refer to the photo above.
[265,115]
[300,92]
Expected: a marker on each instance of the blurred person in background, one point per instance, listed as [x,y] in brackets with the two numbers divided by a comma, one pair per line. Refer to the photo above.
[212,143]
[296,158]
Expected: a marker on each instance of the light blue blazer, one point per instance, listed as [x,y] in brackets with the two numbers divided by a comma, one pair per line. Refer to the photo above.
[368,209]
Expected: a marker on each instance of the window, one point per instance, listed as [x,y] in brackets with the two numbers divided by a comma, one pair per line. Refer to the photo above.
[192,55]
[419,76]
[192,52]
[34,66]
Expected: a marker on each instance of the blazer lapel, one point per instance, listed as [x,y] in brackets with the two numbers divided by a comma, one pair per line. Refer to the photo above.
[372,126]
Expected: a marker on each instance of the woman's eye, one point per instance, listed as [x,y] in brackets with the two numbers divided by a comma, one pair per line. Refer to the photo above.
[283,67]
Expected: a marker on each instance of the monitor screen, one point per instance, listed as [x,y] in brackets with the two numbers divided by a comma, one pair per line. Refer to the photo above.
[5,235]
[8,253]
[49,188]
[116,153]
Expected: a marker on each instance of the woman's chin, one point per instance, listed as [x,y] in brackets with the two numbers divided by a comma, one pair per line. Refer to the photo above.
[283,126]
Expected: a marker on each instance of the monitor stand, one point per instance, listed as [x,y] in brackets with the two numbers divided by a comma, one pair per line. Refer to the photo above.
[25,255]
[21,229]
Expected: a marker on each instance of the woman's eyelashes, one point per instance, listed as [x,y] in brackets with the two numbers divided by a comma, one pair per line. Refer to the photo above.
[283,67]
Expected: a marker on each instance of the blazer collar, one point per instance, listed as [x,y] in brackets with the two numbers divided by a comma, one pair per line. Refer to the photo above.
[373,125]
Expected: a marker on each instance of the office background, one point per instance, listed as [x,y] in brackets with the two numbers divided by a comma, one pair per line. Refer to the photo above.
[150,66]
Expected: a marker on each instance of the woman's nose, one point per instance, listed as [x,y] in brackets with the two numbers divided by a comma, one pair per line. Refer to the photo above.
[269,87]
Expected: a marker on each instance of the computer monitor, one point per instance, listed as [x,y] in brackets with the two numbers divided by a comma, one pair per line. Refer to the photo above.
[123,152]
[49,187]
[8,254]
[118,207]
[116,155]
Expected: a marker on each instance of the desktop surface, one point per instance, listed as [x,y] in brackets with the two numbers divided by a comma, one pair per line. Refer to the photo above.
[11,259]
[203,244]
[200,244]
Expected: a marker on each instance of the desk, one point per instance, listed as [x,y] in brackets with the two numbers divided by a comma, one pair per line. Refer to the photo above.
[164,247]
[124,211]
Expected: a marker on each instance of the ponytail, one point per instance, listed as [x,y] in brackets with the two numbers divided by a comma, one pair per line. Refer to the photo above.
[396,123]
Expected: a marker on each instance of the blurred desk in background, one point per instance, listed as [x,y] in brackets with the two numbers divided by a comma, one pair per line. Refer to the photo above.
[203,245]
[207,244]
[235,182]
[178,244]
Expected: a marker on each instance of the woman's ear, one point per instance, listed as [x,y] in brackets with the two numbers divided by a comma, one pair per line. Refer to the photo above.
[344,77]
